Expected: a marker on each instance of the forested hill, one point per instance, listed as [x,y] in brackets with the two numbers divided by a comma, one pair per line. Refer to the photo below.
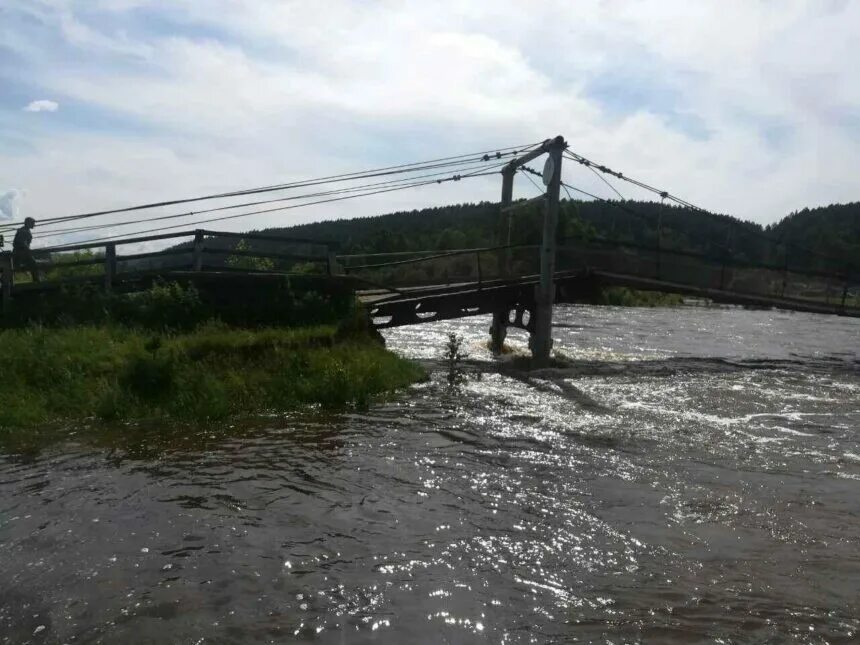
[830,230]
[830,234]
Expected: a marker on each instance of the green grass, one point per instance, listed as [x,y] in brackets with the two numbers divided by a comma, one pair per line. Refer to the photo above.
[114,374]
[624,297]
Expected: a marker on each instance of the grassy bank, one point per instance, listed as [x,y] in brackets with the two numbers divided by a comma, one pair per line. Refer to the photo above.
[624,297]
[213,372]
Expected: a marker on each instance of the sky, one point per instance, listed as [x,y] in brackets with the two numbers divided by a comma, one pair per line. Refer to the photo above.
[741,107]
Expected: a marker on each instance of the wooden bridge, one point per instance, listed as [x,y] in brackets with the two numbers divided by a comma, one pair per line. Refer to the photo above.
[419,287]
[585,270]
[515,283]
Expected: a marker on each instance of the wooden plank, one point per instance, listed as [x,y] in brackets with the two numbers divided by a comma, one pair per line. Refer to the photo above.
[8,278]
[153,254]
[197,258]
[130,240]
[110,266]
[273,256]
[269,238]
[728,297]
[533,154]
[522,204]
[447,254]
[717,261]
[69,265]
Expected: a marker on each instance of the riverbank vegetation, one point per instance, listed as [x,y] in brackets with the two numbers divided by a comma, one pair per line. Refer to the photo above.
[624,297]
[277,301]
[173,352]
[213,372]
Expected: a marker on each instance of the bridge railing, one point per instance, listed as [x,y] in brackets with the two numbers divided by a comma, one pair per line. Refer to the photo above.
[642,266]
[195,251]
[481,266]
[718,275]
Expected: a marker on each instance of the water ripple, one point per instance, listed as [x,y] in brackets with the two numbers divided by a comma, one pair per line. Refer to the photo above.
[670,484]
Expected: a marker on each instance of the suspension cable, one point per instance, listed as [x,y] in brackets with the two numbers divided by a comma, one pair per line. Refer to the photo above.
[604,169]
[487,155]
[573,156]
[606,181]
[71,230]
[457,177]
[528,173]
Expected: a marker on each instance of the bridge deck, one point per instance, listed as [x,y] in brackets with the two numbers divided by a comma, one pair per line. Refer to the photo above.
[425,303]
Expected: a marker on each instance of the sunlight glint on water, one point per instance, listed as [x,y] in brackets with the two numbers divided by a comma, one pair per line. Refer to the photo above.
[694,475]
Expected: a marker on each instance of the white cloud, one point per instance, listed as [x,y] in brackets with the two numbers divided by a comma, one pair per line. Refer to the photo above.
[43,105]
[9,204]
[235,93]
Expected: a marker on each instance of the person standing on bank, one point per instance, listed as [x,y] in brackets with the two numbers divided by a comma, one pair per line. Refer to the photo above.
[22,256]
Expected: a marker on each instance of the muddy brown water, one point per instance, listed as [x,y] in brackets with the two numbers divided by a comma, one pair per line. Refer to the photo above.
[693,476]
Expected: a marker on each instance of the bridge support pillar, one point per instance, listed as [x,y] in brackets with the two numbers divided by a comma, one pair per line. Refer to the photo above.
[498,331]
[541,340]
[507,199]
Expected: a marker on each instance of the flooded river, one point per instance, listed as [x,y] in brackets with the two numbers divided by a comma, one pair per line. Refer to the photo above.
[694,476]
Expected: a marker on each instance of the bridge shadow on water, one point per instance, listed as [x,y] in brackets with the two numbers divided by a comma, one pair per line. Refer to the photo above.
[567,368]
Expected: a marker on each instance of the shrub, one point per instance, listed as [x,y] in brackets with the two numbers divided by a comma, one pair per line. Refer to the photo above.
[454,358]
[624,297]
[149,377]
[172,306]
[249,263]
[212,373]
[163,306]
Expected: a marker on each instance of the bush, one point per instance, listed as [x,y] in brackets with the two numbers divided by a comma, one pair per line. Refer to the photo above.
[172,306]
[149,377]
[624,297]
[168,306]
[214,372]
[454,358]
[248,263]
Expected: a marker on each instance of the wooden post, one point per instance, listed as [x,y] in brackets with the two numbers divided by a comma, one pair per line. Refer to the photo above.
[508,195]
[110,266]
[334,267]
[507,199]
[784,271]
[499,326]
[660,237]
[197,253]
[541,340]
[7,278]
[726,255]
[478,264]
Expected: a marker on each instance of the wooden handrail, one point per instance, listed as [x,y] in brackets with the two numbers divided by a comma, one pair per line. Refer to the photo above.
[152,254]
[166,236]
[703,256]
[269,238]
[425,253]
[273,256]
[98,245]
[447,254]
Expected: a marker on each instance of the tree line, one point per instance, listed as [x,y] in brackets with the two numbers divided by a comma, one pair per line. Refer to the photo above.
[823,239]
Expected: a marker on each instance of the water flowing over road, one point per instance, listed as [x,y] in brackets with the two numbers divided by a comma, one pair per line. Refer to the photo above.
[693,475]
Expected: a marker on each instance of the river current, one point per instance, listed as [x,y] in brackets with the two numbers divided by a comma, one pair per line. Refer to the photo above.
[692,475]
